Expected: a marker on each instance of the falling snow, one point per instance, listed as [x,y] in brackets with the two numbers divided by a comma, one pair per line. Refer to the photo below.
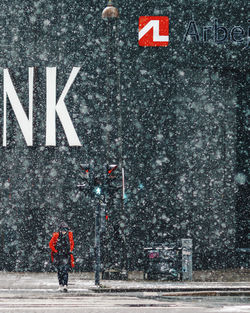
[175,118]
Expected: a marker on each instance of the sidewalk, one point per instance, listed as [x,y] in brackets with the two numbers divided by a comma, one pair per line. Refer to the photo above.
[80,283]
[176,288]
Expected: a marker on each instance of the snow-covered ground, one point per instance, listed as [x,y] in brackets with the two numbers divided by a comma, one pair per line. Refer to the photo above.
[37,293]
[81,281]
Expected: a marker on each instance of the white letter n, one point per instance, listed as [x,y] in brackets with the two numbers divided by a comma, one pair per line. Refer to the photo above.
[25,123]
[59,108]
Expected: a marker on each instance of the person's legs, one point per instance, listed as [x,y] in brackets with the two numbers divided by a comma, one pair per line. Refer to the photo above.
[65,276]
[60,275]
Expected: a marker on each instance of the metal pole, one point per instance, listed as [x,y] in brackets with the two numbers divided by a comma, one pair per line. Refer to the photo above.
[97,243]
[187,247]
[123,184]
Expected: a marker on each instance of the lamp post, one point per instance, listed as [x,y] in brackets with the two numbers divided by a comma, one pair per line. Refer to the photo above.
[113,136]
[110,13]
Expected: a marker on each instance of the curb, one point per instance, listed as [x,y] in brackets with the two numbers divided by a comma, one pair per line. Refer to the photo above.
[178,291]
[207,294]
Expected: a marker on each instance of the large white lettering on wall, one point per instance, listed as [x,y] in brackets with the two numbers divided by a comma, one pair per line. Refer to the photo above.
[25,123]
[59,108]
[53,108]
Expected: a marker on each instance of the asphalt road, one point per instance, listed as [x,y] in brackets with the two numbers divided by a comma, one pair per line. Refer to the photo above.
[41,301]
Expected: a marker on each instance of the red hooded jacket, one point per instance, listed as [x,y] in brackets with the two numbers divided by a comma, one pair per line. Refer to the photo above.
[53,242]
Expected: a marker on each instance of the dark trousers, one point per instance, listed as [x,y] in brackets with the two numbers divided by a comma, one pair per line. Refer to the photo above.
[62,273]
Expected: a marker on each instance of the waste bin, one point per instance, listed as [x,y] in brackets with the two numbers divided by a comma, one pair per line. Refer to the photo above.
[169,261]
[163,261]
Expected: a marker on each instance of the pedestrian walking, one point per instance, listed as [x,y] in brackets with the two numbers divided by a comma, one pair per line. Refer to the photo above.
[62,245]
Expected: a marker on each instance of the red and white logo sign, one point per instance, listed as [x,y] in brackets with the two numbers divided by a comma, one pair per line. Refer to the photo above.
[153,31]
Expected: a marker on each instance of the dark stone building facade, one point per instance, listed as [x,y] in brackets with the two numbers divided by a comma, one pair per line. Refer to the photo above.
[176,118]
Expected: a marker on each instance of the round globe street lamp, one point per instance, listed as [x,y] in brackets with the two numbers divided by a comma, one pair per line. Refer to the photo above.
[110,11]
